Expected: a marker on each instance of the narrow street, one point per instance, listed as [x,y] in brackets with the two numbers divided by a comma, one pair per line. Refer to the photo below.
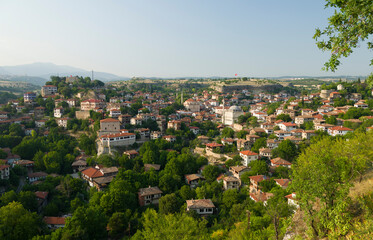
[22,181]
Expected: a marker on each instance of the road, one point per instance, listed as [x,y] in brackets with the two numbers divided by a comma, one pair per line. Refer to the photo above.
[22,182]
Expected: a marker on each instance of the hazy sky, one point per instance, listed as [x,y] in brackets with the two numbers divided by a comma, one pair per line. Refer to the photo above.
[172,38]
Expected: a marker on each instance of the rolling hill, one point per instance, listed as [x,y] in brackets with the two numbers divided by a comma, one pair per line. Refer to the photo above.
[39,73]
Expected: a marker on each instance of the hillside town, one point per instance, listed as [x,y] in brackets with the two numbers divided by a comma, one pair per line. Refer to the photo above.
[165,146]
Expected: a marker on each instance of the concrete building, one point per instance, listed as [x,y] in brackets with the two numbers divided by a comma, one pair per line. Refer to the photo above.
[149,195]
[4,171]
[109,126]
[201,206]
[192,105]
[118,139]
[29,97]
[248,156]
[92,104]
[230,182]
[48,90]
[231,115]
[58,112]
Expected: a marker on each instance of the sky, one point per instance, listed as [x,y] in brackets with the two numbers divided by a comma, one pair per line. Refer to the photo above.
[172,38]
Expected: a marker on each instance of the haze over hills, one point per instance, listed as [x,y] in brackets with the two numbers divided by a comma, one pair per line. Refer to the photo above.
[39,73]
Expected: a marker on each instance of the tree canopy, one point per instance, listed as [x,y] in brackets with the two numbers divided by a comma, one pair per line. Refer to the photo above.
[350,24]
[322,177]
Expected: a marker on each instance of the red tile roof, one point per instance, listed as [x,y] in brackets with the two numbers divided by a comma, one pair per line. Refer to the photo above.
[288,124]
[258,178]
[117,135]
[248,153]
[340,128]
[109,120]
[54,220]
[214,144]
[280,161]
[92,173]
[283,182]
[261,196]
[41,195]
[2,167]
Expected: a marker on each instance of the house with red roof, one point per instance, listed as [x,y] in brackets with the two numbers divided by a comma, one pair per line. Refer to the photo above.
[55,222]
[276,162]
[254,182]
[42,198]
[230,182]
[248,156]
[92,104]
[212,146]
[202,206]
[169,138]
[261,197]
[282,182]
[287,126]
[339,131]
[193,179]
[292,200]
[99,176]
[149,195]
[36,176]
[4,171]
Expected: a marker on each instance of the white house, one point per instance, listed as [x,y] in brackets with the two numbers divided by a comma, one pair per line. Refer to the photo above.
[287,126]
[248,156]
[201,206]
[339,130]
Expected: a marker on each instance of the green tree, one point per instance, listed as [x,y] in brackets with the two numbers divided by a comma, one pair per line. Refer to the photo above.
[242,134]
[349,25]
[211,172]
[259,143]
[284,117]
[8,197]
[28,200]
[119,198]
[278,208]
[18,223]
[258,167]
[230,197]
[237,160]
[323,175]
[118,224]
[186,193]
[169,203]
[86,223]
[331,120]
[227,133]
[286,150]
[171,226]
[15,129]
[88,144]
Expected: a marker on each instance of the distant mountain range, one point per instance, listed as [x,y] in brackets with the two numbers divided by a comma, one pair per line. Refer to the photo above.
[39,73]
